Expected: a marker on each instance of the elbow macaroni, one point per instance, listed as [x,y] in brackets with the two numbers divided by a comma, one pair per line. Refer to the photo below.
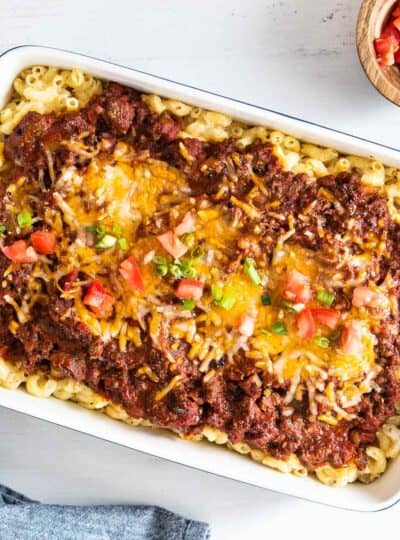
[40,385]
[47,90]
[376,465]
[338,477]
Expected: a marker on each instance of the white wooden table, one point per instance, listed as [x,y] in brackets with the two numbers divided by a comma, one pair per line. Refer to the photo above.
[294,56]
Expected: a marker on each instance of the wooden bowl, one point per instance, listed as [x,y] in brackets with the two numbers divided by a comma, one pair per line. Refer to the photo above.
[372,16]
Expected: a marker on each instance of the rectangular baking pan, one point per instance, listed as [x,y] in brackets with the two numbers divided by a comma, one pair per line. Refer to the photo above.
[204,456]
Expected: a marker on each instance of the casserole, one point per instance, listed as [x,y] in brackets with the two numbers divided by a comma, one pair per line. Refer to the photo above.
[224,107]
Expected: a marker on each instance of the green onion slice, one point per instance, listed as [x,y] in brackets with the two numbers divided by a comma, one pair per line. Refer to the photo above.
[117,230]
[322,341]
[265,332]
[325,297]
[187,270]
[161,270]
[24,219]
[3,229]
[279,328]
[175,270]
[188,239]
[227,301]
[159,259]
[106,242]
[266,300]
[98,230]
[292,306]
[123,243]
[216,292]
[197,252]
[251,272]
[188,304]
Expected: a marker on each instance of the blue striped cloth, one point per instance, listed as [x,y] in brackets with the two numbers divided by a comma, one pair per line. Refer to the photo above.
[24,519]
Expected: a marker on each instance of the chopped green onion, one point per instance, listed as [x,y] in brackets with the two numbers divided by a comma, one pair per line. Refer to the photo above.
[197,252]
[265,299]
[3,229]
[187,270]
[24,219]
[175,270]
[251,271]
[188,239]
[292,306]
[117,230]
[123,243]
[106,242]
[216,292]
[98,230]
[159,259]
[322,341]
[188,304]
[227,301]
[279,328]
[325,297]
[265,332]
[161,269]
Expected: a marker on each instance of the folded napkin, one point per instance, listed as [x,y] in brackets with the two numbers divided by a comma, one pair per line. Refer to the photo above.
[24,519]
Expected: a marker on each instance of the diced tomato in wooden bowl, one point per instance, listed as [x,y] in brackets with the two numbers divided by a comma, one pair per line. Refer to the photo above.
[387,46]
[378,45]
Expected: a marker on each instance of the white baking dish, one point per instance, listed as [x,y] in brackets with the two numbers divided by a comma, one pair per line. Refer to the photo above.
[377,496]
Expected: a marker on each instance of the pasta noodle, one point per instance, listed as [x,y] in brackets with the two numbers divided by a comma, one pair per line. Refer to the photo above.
[45,90]
[68,389]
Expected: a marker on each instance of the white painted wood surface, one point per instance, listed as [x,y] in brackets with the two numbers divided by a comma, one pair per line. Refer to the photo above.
[294,56]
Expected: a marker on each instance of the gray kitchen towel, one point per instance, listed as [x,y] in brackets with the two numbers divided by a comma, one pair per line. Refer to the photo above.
[24,519]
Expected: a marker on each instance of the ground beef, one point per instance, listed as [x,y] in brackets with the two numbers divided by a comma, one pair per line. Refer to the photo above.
[232,399]
[24,145]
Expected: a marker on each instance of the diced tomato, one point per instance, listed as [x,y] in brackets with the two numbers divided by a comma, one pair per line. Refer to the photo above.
[397,57]
[365,297]
[171,243]
[305,324]
[190,289]
[396,23]
[386,60]
[385,45]
[388,43]
[20,252]
[246,324]
[44,242]
[390,31]
[297,288]
[69,279]
[326,316]
[99,299]
[396,11]
[187,225]
[130,271]
[351,340]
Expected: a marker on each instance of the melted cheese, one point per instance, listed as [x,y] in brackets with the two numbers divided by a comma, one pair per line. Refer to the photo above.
[119,192]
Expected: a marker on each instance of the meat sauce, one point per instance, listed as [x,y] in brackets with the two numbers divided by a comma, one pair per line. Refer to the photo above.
[54,342]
